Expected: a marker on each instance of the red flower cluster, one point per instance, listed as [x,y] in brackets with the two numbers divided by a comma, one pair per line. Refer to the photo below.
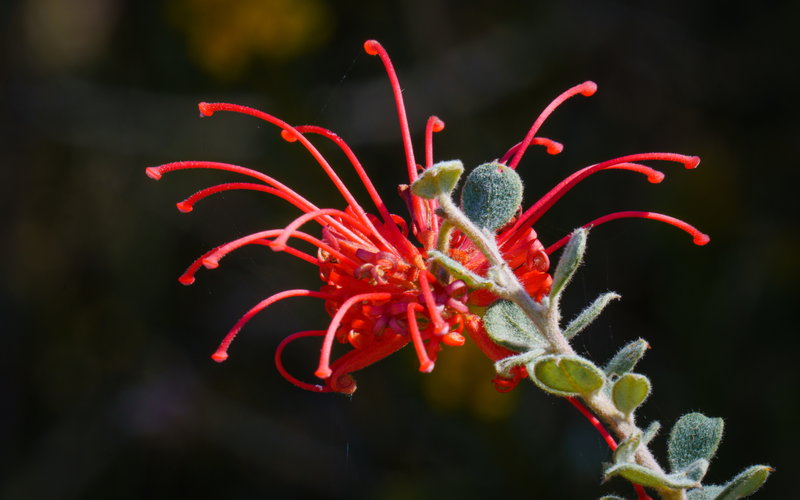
[377,286]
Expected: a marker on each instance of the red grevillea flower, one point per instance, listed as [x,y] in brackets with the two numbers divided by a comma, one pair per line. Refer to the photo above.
[377,286]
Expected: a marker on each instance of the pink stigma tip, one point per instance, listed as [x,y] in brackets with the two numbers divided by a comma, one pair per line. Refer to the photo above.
[554,148]
[372,47]
[701,239]
[184,207]
[438,125]
[186,280]
[153,172]
[656,177]
[426,367]
[288,135]
[589,88]
[205,109]
[323,373]
[210,263]
[219,356]
[693,162]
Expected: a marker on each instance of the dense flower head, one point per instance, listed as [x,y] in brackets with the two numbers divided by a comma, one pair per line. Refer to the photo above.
[378,284]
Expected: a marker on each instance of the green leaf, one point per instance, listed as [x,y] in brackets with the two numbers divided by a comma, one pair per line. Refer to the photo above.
[638,474]
[626,450]
[612,497]
[504,366]
[693,436]
[565,375]
[627,357]
[508,325]
[588,315]
[458,271]
[745,483]
[629,391]
[651,432]
[491,195]
[696,470]
[440,178]
[707,492]
[570,259]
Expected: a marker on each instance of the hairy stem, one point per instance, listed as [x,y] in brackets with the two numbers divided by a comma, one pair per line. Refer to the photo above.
[546,317]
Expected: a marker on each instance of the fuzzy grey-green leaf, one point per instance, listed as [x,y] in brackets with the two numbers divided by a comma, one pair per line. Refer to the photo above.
[693,436]
[566,375]
[571,258]
[440,178]
[508,325]
[626,450]
[707,492]
[588,315]
[745,483]
[458,271]
[648,477]
[651,431]
[627,357]
[491,195]
[629,391]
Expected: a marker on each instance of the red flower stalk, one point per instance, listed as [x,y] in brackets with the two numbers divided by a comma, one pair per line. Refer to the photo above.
[377,285]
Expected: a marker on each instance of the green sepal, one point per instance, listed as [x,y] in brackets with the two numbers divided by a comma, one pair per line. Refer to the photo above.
[458,271]
[440,178]
[638,474]
[566,375]
[627,357]
[508,325]
[651,432]
[693,436]
[570,260]
[629,391]
[745,483]
[588,315]
[626,450]
[491,195]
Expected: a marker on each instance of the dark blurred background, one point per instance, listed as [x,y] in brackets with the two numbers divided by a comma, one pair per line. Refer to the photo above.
[106,382]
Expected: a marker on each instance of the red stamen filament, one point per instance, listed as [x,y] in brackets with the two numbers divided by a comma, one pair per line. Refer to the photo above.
[280,241]
[434,125]
[362,174]
[208,109]
[324,369]
[221,354]
[425,363]
[372,47]
[552,147]
[188,204]
[299,201]
[288,376]
[532,214]
[697,237]
[212,258]
[586,88]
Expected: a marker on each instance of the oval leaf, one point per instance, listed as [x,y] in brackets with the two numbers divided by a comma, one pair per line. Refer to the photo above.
[746,483]
[508,325]
[635,473]
[567,375]
[629,391]
[627,357]
[440,178]
[693,436]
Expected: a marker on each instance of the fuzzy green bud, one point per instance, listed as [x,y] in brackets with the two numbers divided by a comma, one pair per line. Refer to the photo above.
[491,196]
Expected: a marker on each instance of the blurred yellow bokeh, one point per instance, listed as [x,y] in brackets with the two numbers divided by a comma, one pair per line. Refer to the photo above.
[224,37]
